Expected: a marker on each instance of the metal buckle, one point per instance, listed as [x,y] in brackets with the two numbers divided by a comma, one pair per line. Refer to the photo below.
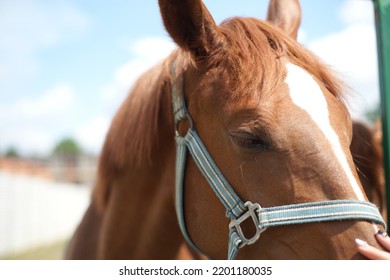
[253,208]
[177,122]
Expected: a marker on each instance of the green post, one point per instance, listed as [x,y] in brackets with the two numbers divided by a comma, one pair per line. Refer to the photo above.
[382,20]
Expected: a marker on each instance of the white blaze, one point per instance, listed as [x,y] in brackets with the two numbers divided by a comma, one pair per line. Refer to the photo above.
[307,94]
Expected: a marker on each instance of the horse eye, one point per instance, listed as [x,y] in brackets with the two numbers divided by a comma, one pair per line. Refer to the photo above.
[250,141]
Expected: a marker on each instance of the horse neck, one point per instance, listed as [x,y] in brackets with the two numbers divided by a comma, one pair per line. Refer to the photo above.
[136,177]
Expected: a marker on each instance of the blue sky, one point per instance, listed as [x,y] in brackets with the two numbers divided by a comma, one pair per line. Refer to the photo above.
[65,66]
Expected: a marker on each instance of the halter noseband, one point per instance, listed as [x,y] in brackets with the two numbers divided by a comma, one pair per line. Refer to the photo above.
[236,209]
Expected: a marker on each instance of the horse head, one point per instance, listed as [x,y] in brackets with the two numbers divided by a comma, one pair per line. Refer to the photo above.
[272,117]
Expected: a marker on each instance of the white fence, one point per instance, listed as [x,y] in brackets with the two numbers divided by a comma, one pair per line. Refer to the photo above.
[35,212]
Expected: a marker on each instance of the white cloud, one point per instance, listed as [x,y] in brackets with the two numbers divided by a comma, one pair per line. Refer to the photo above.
[91,135]
[146,52]
[27,140]
[302,36]
[52,104]
[152,49]
[34,124]
[352,53]
[28,26]
[353,11]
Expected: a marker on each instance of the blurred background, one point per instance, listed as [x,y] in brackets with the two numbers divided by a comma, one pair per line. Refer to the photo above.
[66,66]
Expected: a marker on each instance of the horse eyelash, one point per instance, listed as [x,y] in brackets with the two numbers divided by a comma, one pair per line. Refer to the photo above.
[250,141]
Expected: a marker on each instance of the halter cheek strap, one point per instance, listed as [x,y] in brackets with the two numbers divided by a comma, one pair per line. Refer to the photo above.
[238,211]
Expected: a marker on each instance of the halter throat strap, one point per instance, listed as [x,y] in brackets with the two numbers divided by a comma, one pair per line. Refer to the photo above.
[237,210]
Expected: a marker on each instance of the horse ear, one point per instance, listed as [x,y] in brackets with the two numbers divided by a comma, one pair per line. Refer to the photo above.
[285,14]
[190,25]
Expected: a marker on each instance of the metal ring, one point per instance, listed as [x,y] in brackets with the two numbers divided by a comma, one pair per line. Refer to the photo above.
[177,122]
[252,212]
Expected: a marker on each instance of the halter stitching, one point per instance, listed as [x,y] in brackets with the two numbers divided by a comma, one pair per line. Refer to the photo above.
[222,194]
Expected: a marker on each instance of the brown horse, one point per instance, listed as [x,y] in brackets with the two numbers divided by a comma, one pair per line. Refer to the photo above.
[366,149]
[272,117]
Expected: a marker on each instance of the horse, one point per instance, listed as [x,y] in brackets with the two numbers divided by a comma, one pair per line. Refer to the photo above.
[264,115]
[366,149]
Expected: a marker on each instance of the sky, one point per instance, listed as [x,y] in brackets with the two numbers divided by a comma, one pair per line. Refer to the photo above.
[67,65]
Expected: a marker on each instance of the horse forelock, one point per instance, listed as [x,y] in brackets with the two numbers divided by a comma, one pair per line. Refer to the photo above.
[252,58]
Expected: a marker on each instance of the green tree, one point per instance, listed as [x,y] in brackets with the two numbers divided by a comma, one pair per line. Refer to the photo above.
[67,148]
[67,151]
[12,152]
[373,114]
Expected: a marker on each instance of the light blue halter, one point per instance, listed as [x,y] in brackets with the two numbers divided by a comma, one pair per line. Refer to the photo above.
[236,209]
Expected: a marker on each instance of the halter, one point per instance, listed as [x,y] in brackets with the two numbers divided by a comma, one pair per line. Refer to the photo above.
[237,210]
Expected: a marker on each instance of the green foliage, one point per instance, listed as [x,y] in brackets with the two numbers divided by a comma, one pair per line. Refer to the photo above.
[12,152]
[67,147]
[373,114]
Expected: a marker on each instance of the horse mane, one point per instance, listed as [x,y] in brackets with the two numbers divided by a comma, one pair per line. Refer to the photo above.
[253,57]
[133,132]
[366,151]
